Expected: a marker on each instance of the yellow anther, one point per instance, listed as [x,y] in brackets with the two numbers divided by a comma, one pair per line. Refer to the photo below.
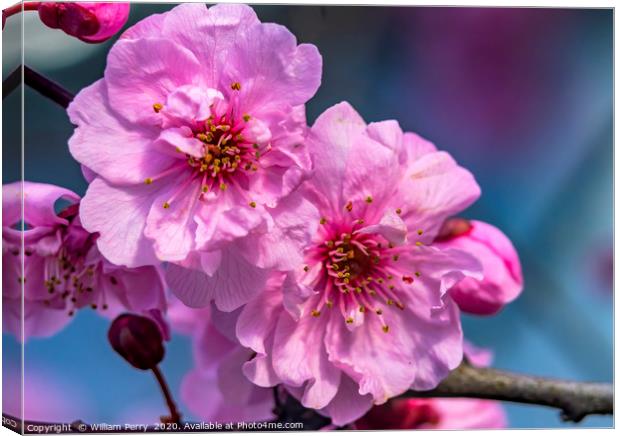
[360,221]
[369,199]
[349,320]
[246,117]
[385,329]
[358,290]
[379,281]
[330,244]
[148,180]
[329,303]
[166,205]
[257,155]
[379,312]
[255,146]
[417,274]
[395,257]
[252,204]
[420,231]
[391,287]
[205,189]
[335,266]
[390,302]
[419,244]
[371,293]
[399,211]
[315,313]
[236,86]
[362,309]
[223,186]
[202,137]
[158,107]
[323,220]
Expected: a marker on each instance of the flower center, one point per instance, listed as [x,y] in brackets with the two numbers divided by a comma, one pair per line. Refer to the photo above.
[358,272]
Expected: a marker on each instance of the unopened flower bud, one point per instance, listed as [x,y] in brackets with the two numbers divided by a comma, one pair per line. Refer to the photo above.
[138,339]
[90,22]
[502,281]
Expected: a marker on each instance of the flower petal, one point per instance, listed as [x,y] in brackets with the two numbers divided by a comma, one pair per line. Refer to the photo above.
[119,215]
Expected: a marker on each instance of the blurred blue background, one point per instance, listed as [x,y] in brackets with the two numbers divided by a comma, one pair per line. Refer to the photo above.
[521,97]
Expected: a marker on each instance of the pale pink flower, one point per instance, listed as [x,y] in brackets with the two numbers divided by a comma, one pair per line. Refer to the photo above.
[90,22]
[502,281]
[368,314]
[63,270]
[195,137]
[216,390]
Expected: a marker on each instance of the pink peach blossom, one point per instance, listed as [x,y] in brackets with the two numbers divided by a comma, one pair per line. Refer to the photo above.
[90,22]
[195,140]
[63,270]
[367,315]
[502,281]
[216,390]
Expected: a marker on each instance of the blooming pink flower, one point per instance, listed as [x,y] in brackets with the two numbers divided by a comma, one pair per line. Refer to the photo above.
[63,270]
[90,22]
[367,315]
[216,390]
[503,280]
[195,136]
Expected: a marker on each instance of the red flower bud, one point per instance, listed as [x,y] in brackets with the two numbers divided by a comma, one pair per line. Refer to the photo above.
[138,339]
[90,22]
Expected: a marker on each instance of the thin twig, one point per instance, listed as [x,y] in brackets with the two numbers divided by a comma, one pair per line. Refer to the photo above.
[175,416]
[39,83]
[46,87]
[11,83]
[575,400]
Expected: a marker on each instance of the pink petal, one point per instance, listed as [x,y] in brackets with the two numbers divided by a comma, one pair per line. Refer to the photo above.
[391,227]
[158,67]
[348,405]
[295,222]
[332,138]
[292,76]
[299,356]
[173,228]
[434,188]
[119,215]
[461,414]
[38,203]
[208,33]
[106,145]
[414,147]
[233,284]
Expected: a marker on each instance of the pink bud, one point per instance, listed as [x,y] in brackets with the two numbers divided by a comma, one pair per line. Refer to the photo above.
[90,22]
[503,280]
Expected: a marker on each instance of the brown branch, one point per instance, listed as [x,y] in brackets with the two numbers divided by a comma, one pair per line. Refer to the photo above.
[39,83]
[575,400]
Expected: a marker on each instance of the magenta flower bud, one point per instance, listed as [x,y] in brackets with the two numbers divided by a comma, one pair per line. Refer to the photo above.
[502,281]
[138,339]
[90,22]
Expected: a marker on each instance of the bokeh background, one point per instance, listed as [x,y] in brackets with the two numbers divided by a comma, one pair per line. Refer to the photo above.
[521,97]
